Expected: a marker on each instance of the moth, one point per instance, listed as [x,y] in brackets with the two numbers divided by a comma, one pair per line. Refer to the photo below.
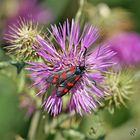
[67,78]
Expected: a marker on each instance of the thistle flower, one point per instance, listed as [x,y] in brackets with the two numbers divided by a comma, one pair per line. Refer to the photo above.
[66,50]
[28,9]
[21,37]
[127,46]
[119,86]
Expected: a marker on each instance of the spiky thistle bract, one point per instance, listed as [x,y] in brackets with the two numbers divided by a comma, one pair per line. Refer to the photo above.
[20,38]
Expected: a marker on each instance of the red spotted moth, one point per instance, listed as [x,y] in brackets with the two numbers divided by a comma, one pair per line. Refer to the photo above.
[67,78]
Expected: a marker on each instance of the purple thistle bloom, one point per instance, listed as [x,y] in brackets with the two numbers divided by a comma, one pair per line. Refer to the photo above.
[29,10]
[68,50]
[127,47]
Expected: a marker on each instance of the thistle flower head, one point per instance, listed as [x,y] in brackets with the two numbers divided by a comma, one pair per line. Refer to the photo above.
[119,87]
[28,9]
[21,37]
[66,50]
[127,46]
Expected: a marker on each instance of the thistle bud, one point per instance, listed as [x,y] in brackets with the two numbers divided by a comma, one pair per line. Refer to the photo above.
[21,38]
[119,87]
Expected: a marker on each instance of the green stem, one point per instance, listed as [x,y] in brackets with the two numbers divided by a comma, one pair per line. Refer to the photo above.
[80,15]
[18,65]
[36,130]
[33,126]
[79,12]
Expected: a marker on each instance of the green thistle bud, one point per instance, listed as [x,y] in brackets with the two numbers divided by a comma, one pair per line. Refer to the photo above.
[21,37]
[118,88]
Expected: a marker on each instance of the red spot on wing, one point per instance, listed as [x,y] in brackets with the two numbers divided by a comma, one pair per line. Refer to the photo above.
[63,75]
[72,69]
[55,75]
[70,84]
[77,78]
[65,90]
[55,78]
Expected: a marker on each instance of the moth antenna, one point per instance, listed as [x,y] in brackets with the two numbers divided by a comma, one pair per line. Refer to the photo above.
[94,82]
[85,52]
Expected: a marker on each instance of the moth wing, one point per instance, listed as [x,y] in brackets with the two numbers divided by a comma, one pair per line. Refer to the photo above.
[65,86]
[60,76]
[53,78]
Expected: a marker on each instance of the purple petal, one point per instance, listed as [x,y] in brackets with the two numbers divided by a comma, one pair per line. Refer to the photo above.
[53,104]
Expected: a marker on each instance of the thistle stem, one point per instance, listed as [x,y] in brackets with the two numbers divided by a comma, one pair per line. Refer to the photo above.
[19,65]
[80,10]
[36,130]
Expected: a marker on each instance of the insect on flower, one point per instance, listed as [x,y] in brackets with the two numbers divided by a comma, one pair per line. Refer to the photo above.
[67,78]
[70,65]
